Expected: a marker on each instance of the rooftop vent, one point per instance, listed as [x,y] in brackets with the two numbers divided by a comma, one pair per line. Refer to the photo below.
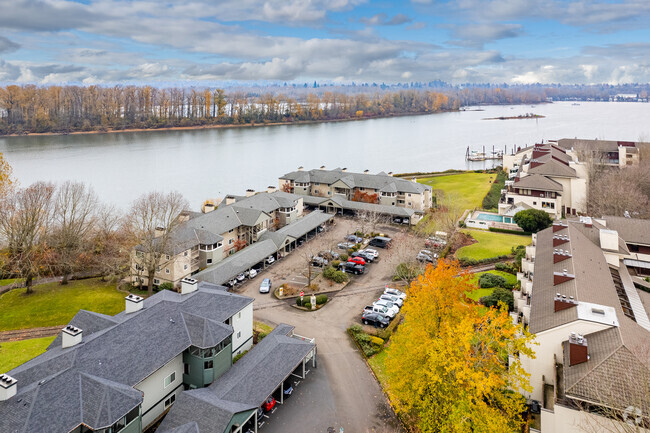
[71,336]
[578,352]
[8,387]
[587,221]
[608,239]
[560,239]
[560,255]
[562,277]
[134,303]
[561,302]
[188,285]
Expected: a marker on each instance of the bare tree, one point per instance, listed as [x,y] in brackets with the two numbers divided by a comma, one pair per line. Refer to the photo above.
[75,207]
[25,216]
[370,219]
[616,192]
[111,242]
[402,257]
[153,218]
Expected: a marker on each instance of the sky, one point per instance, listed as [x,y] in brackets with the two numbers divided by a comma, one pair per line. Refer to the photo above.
[212,41]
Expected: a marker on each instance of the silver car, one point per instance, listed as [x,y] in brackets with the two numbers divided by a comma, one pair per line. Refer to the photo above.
[265,286]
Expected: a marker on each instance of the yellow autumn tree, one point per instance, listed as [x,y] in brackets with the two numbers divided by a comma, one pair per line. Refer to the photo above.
[6,180]
[448,361]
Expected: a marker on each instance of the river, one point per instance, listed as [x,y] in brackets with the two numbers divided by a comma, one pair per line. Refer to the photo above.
[210,163]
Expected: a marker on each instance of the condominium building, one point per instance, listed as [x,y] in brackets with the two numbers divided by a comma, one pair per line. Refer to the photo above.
[606,152]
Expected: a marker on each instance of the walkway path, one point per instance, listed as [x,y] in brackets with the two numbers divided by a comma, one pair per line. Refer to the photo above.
[25,334]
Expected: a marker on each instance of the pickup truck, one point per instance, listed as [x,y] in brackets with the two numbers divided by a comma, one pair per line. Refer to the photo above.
[352,268]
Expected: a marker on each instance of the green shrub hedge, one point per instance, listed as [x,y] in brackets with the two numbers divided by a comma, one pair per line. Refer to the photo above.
[515,232]
[491,199]
[466,261]
[506,267]
[321,299]
[335,275]
[365,341]
[487,281]
[499,294]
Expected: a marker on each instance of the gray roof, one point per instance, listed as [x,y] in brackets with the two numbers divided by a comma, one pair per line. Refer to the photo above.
[244,387]
[552,167]
[605,145]
[379,182]
[538,182]
[304,225]
[343,203]
[632,230]
[58,389]
[90,322]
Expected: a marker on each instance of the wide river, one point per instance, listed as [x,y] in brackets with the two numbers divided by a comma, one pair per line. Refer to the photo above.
[210,163]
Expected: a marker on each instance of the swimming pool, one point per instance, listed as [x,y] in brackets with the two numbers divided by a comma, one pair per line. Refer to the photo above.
[493,217]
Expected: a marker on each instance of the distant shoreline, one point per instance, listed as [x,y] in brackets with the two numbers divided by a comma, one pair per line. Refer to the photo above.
[525,116]
[226,126]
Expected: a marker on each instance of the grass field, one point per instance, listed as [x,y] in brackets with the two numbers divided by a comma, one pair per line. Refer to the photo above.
[468,189]
[491,244]
[479,293]
[7,281]
[378,365]
[52,304]
[14,353]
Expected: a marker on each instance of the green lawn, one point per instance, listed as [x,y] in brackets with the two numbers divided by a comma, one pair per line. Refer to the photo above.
[7,281]
[479,293]
[491,244]
[468,189]
[14,353]
[378,365]
[52,304]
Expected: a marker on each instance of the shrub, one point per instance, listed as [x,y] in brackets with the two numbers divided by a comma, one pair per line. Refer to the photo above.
[238,357]
[520,253]
[533,220]
[514,232]
[499,295]
[377,341]
[359,233]
[364,341]
[321,299]
[335,264]
[407,271]
[491,199]
[332,274]
[487,281]
[506,267]
[307,305]
[461,224]
[344,257]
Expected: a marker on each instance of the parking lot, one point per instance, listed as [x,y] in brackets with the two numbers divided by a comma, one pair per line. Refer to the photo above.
[341,391]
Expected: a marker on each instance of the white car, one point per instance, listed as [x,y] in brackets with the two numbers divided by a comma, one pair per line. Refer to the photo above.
[265,287]
[270,259]
[395,292]
[393,309]
[371,252]
[252,273]
[241,277]
[394,299]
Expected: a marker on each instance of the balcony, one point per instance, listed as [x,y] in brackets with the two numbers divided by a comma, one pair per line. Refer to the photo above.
[527,266]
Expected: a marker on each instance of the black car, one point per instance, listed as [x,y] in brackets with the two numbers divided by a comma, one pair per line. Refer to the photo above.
[375,319]
[381,242]
[369,258]
[352,268]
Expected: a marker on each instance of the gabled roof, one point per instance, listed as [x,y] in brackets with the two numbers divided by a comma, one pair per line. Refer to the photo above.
[93,382]
[632,230]
[538,182]
[552,167]
[343,203]
[304,225]
[90,322]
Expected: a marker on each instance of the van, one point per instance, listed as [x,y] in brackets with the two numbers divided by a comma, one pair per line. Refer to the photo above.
[381,242]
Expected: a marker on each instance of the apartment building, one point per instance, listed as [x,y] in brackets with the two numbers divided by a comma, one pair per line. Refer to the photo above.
[583,299]
[606,152]
[120,373]
[545,177]
[381,189]
[203,239]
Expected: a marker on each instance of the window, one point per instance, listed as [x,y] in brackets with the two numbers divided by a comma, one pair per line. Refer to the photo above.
[185,253]
[534,203]
[170,379]
[231,230]
[186,368]
[184,267]
[170,401]
[231,241]
[239,315]
[156,281]
[139,254]
[158,269]
[239,334]
[208,364]
[209,261]
[167,270]
[167,256]
[219,244]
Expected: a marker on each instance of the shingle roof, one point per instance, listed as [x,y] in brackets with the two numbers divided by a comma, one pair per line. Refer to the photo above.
[539,182]
[632,230]
[361,206]
[304,225]
[359,180]
[244,387]
[606,145]
[552,167]
[92,382]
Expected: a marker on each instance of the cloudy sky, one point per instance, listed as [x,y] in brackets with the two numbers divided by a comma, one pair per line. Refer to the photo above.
[513,41]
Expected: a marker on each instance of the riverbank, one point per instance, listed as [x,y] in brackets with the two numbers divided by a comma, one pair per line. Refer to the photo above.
[222,126]
[525,116]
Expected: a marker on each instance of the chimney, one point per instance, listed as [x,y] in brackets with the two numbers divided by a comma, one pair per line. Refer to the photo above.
[134,303]
[414,179]
[609,239]
[366,171]
[390,173]
[560,255]
[301,168]
[577,349]
[230,200]
[322,167]
[250,192]
[560,239]
[188,285]
[208,207]
[271,189]
[557,226]
[184,216]
[562,277]
[534,163]
[159,231]
[8,387]
[562,303]
[71,336]
[344,169]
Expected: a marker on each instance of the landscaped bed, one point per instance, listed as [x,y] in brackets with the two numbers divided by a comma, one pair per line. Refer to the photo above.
[53,304]
[490,244]
[15,353]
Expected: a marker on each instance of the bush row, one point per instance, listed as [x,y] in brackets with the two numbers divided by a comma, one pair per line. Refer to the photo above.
[499,295]
[515,232]
[491,199]
[369,345]
[487,281]
[335,275]
[467,261]
[506,267]
[320,300]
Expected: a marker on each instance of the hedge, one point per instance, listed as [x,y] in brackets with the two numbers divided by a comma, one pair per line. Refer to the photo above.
[365,341]
[491,199]
[506,267]
[487,281]
[514,232]
[466,261]
[321,299]
[335,275]
[499,294]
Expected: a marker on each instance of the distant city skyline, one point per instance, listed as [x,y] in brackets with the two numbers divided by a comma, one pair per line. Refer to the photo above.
[201,41]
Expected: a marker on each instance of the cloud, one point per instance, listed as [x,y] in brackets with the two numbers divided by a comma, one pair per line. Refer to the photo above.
[417,26]
[7,46]
[476,34]
[382,19]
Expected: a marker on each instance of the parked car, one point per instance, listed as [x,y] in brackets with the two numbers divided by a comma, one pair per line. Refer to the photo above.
[265,286]
[320,229]
[319,261]
[288,389]
[354,238]
[394,299]
[270,260]
[397,220]
[370,251]
[252,273]
[241,277]
[232,283]
[375,309]
[357,260]
[346,245]
[269,404]
[395,292]
[352,268]
[426,256]
[435,242]
[367,257]
[393,309]
[330,255]
[381,242]
[375,319]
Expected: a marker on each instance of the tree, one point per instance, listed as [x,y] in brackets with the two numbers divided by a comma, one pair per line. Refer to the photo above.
[25,216]
[111,242]
[74,218]
[533,220]
[499,295]
[153,218]
[447,365]
[620,190]
[6,180]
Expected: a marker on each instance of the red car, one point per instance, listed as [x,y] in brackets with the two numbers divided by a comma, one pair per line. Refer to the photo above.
[268,404]
[357,260]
